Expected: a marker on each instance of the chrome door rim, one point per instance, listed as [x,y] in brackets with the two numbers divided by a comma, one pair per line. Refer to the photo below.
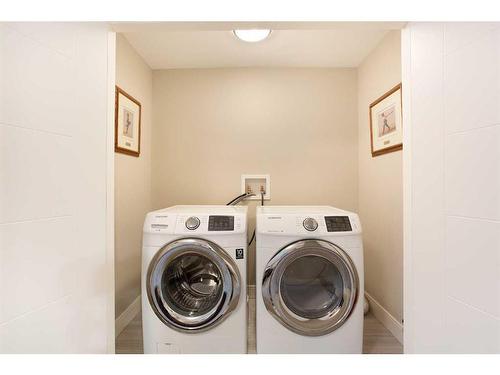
[272,279]
[231,284]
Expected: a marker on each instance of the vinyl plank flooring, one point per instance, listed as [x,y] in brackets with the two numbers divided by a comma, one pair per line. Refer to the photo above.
[377,339]
[251,329]
[130,339]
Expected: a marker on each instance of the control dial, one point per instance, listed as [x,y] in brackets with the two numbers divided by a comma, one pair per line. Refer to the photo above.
[192,223]
[310,224]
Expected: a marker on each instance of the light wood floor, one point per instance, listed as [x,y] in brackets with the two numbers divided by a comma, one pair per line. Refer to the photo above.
[377,339]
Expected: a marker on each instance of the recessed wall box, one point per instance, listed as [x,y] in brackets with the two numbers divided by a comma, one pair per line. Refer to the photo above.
[255,183]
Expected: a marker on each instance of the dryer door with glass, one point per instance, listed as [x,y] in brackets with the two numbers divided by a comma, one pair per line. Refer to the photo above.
[310,287]
[192,284]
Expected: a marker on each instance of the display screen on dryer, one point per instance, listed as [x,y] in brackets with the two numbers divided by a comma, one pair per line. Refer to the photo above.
[220,223]
[338,224]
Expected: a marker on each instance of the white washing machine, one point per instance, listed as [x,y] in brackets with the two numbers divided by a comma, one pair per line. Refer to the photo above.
[309,263]
[194,280]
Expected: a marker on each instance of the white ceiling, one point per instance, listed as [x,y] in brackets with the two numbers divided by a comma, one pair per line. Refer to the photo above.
[291,44]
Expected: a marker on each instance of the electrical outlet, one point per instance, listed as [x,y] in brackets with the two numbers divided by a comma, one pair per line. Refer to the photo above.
[256,183]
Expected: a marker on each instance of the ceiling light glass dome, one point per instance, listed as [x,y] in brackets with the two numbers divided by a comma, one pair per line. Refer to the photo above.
[252,35]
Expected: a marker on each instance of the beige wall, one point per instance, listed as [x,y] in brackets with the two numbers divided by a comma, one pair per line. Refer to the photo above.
[380,184]
[298,125]
[132,179]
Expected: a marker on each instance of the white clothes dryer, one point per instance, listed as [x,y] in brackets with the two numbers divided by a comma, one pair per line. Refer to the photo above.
[309,292]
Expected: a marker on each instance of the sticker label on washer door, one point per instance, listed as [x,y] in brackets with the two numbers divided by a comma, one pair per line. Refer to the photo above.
[239,253]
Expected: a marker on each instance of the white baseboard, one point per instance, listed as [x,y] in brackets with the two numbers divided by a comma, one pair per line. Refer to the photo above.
[384,317]
[127,316]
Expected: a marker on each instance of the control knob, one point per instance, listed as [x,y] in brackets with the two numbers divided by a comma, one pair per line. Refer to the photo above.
[192,223]
[310,224]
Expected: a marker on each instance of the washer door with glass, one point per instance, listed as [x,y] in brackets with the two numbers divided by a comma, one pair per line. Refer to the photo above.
[310,287]
[192,284]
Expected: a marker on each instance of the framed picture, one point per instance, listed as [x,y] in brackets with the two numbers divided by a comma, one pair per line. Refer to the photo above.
[127,123]
[386,125]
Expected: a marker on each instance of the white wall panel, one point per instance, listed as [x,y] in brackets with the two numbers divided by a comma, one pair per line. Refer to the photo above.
[427,164]
[38,86]
[471,78]
[25,283]
[37,173]
[55,288]
[44,330]
[473,173]
[452,202]
[473,263]
[469,330]
[460,34]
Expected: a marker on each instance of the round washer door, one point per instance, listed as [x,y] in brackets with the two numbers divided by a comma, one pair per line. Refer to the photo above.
[192,284]
[310,287]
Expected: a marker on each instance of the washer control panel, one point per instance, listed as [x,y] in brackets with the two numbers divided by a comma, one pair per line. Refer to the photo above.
[220,223]
[204,224]
[310,224]
[338,224]
[192,223]
[197,220]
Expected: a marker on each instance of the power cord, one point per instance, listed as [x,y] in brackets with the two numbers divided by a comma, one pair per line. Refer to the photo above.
[251,239]
[262,203]
[241,197]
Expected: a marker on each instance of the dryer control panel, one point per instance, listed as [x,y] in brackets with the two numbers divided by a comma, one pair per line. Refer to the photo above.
[297,220]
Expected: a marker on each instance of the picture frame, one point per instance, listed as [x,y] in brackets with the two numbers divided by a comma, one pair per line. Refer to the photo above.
[386,123]
[127,123]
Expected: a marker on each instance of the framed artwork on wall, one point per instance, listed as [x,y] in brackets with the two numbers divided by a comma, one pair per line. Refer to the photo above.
[386,125]
[127,123]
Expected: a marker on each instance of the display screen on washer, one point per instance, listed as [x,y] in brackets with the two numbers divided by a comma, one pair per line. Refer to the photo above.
[338,224]
[219,223]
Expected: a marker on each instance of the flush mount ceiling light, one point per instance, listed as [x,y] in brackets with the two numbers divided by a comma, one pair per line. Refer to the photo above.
[252,35]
